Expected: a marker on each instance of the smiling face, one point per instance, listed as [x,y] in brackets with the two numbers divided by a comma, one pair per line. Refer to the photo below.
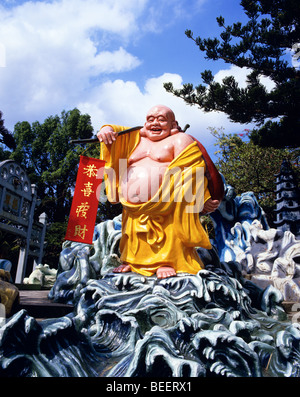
[160,120]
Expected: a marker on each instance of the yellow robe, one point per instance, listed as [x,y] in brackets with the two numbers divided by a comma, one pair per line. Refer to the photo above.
[160,232]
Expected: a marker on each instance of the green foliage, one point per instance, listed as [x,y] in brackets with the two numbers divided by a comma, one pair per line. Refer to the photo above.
[51,162]
[54,239]
[9,249]
[108,211]
[49,159]
[4,154]
[6,137]
[208,225]
[260,45]
[249,167]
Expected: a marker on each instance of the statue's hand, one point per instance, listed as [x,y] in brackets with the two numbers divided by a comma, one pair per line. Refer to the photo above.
[107,135]
[210,206]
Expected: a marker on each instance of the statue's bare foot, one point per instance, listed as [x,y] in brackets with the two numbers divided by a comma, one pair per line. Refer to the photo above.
[122,269]
[165,272]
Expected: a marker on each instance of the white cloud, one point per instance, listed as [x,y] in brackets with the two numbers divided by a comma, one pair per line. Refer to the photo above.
[63,54]
[240,75]
[53,50]
[115,61]
[123,102]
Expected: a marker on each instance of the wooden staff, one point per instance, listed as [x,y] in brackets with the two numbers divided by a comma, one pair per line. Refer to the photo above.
[95,139]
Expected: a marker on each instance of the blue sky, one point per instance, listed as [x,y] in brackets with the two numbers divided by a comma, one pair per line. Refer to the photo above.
[109,58]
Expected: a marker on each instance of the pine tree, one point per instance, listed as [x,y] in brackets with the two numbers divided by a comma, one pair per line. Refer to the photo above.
[262,45]
[6,137]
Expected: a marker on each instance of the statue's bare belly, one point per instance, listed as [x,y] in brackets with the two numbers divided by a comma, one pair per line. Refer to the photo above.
[142,180]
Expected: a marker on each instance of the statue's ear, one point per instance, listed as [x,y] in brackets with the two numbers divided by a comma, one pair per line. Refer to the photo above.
[143,131]
[175,128]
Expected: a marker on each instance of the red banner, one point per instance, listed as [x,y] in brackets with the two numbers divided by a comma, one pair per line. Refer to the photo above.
[85,202]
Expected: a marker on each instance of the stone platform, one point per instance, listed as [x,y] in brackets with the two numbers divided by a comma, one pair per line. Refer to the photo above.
[37,304]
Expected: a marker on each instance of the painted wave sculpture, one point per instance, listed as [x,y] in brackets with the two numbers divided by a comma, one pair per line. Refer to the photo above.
[131,326]
[213,324]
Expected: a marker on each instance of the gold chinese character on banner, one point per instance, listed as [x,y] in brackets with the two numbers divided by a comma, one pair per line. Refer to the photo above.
[80,231]
[87,191]
[90,170]
[82,209]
